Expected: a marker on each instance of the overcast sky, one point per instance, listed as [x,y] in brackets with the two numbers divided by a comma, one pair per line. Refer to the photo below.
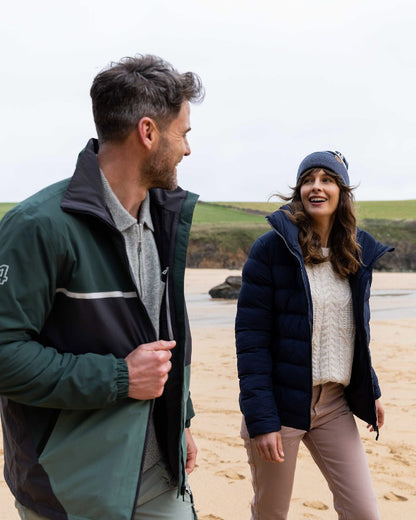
[282,78]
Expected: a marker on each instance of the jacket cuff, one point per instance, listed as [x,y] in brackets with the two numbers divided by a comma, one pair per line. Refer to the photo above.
[376,387]
[122,379]
[189,412]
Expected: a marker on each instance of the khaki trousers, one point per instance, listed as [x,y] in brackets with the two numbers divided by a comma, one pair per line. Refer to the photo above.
[158,499]
[335,446]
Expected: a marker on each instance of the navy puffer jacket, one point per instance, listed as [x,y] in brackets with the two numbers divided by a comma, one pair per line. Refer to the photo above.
[274,332]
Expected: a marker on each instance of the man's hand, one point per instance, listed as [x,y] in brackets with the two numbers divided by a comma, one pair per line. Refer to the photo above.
[191,451]
[269,447]
[149,365]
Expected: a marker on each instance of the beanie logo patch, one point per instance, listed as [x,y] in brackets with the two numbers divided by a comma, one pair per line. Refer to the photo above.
[339,157]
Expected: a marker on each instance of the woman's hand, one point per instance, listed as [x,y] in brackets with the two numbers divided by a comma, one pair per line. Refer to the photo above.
[269,447]
[380,415]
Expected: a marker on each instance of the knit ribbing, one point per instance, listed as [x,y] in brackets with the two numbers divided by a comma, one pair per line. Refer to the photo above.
[333,325]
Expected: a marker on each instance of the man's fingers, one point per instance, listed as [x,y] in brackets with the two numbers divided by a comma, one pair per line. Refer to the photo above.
[160,350]
[149,366]
[165,369]
[162,345]
[162,355]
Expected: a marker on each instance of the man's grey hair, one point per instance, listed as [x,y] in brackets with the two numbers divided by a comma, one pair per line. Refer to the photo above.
[137,87]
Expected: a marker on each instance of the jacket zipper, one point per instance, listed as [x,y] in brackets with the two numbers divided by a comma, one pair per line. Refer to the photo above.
[139,254]
[307,297]
[136,497]
[165,278]
[152,402]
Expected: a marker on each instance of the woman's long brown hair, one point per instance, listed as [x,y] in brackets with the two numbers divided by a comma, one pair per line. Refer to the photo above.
[345,252]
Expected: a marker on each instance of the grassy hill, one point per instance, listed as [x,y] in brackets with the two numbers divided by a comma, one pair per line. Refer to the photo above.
[214,212]
[222,232]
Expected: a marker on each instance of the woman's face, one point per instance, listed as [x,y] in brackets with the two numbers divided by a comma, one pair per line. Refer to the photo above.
[319,193]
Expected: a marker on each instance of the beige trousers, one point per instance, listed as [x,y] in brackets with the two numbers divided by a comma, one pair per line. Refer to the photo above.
[158,499]
[335,446]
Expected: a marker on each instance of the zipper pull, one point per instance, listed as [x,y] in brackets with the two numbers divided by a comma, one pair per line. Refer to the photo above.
[164,275]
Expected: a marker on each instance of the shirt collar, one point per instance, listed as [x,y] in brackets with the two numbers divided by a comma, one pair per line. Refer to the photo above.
[145,217]
[122,218]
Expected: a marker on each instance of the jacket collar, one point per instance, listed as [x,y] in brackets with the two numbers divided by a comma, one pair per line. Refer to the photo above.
[85,192]
[282,224]
[371,249]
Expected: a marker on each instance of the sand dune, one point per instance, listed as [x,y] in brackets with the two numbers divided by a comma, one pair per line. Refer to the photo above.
[221,482]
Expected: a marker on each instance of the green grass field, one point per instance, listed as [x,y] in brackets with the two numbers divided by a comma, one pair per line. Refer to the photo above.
[233,213]
[386,209]
[222,213]
[223,232]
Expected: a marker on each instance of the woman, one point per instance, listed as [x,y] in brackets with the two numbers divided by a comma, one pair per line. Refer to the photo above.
[302,333]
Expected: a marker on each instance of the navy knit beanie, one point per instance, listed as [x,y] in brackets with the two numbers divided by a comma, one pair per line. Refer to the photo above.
[333,161]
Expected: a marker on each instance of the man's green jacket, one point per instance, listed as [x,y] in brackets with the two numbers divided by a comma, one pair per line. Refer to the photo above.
[69,314]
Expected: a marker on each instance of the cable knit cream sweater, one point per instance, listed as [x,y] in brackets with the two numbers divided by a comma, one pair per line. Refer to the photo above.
[333,325]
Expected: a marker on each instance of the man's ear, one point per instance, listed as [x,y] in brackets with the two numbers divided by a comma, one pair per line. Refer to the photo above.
[148,132]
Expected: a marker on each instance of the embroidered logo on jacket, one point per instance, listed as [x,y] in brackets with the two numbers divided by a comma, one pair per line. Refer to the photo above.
[3,274]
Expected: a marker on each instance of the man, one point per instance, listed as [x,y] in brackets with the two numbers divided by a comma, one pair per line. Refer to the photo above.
[94,336]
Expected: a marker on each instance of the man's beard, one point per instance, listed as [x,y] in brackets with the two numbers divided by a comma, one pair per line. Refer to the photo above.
[160,172]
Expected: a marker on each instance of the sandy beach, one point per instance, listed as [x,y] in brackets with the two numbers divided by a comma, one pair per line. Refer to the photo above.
[221,482]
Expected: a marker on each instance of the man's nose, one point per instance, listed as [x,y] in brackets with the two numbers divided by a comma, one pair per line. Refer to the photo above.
[187,149]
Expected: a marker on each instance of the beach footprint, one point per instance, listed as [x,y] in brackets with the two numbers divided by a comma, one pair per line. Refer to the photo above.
[231,474]
[316,504]
[394,497]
